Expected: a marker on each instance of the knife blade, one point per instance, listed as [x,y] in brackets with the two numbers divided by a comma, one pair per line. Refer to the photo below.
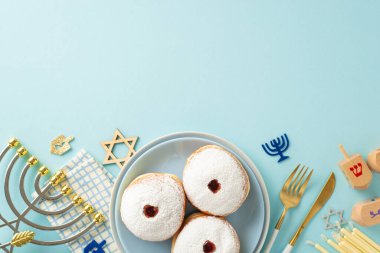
[321,200]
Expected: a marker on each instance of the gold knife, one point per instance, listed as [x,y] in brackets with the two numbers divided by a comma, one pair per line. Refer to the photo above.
[323,196]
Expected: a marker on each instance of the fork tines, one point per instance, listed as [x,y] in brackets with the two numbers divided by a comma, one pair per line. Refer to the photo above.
[298,185]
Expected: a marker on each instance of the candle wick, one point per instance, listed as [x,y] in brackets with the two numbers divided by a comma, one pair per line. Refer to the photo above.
[324,237]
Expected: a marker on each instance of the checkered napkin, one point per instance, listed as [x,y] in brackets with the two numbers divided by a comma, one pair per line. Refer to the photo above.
[94,184]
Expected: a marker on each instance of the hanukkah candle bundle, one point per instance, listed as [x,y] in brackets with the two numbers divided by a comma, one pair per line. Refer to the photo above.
[348,241]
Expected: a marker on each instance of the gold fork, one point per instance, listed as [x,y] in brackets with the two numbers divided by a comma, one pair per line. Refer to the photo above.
[290,196]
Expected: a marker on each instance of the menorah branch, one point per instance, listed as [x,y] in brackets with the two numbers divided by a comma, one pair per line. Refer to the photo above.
[34,207]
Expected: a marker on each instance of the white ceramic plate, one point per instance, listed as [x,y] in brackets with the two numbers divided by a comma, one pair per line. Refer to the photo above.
[168,154]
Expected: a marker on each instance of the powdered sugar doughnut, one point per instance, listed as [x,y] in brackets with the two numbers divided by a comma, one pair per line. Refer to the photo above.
[153,206]
[214,180]
[206,234]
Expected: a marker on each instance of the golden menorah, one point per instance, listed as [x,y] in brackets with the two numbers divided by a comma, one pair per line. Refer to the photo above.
[46,192]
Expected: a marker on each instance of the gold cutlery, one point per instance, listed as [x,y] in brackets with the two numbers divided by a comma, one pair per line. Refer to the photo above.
[290,196]
[323,196]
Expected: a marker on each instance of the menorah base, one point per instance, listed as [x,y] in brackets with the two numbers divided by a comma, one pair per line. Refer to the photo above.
[283,158]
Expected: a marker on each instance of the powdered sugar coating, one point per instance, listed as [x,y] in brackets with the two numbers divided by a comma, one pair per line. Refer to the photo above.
[207,228]
[209,163]
[159,190]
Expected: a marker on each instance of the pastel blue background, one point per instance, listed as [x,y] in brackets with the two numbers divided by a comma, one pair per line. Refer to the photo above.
[247,71]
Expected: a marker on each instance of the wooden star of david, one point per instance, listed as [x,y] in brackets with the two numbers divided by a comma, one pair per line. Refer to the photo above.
[118,137]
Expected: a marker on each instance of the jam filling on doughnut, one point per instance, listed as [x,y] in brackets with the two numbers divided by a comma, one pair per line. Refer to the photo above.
[150,211]
[214,186]
[209,247]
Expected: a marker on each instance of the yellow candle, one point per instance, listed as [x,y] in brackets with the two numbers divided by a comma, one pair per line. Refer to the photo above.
[333,244]
[320,248]
[367,245]
[344,245]
[366,238]
[365,242]
[364,247]
[317,246]
[336,246]
[350,246]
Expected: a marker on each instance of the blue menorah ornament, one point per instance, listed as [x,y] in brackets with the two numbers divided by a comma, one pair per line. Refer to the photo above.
[94,247]
[277,147]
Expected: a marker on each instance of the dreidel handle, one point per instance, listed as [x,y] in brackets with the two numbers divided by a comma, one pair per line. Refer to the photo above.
[344,152]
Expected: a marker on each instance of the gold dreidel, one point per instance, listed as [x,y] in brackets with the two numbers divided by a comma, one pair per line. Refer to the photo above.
[355,169]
